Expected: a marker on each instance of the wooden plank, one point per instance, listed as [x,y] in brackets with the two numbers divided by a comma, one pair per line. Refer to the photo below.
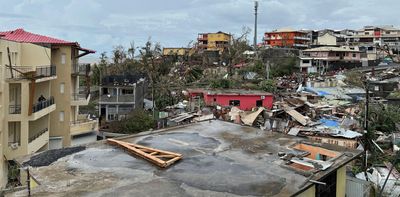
[150,154]
[153,149]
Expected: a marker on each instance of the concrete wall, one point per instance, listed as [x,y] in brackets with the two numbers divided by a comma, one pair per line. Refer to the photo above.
[35,55]
[341,182]
[310,192]
[327,39]
[63,100]
[247,102]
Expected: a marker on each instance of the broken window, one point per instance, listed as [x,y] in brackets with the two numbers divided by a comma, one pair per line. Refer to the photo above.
[234,103]
[259,103]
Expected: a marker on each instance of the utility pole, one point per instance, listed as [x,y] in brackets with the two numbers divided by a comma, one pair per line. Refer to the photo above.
[255,24]
[366,117]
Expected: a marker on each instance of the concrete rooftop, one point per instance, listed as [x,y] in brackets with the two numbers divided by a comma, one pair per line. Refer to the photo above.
[219,159]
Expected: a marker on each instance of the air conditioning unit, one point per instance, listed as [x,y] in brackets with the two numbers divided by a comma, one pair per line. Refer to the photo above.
[14,146]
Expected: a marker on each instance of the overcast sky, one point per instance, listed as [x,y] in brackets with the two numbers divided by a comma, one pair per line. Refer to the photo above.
[103,24]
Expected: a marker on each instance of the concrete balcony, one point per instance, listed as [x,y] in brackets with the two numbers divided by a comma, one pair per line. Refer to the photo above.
[300,45]
[80,99]
[37,141]
[83,126]
[80,69]
[38,73]
[43,108]
[120,99]
[301,38]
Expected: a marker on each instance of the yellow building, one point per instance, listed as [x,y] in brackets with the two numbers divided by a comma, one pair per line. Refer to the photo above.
[214,41]
[176,51]
[38,94]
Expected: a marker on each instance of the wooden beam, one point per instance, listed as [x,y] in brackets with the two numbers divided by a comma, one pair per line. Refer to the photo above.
[152,155]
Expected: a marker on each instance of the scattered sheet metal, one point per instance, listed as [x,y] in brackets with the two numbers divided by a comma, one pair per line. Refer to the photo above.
[294,131]
[204,117]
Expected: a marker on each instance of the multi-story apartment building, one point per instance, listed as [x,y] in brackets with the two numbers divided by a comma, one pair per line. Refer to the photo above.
[322,59]
[39,82]
[377,35]
[214,41]
[119,95]
[288,38]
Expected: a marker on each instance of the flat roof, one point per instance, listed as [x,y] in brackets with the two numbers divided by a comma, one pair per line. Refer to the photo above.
[219,159]
[230,92]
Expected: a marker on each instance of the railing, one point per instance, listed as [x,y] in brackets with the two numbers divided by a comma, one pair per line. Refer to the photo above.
[300,45]
[80,68]
[129,98]
[14,109]
[79,97]
[38,135]
[42,105]
[83,126]
[45,71]
[28,72]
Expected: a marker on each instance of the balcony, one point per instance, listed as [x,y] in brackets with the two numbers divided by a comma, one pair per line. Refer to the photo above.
[37,141]
[43,105]
[80,69]
[80,99]
[83,126]
[42,108]
[300,45]
[121,99]
[202,37]
[29,72]
[301,38]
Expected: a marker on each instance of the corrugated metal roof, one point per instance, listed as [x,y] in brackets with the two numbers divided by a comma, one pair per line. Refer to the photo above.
[20,35]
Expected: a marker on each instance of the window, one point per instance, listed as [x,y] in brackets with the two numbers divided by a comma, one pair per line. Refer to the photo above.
[62,87]
[306,61]
[14,133]
[259,103]
[63,58]
[337,55]
[61,116]
[127,91]
[366,33]
[234,103]
[354,55]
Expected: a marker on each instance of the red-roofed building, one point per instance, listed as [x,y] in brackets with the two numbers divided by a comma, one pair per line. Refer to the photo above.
[40,92]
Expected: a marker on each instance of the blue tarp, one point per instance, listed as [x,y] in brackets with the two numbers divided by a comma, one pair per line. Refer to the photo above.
[329,123]
[312,90]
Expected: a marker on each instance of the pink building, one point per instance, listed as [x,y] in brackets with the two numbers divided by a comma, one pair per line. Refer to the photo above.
[243,99]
